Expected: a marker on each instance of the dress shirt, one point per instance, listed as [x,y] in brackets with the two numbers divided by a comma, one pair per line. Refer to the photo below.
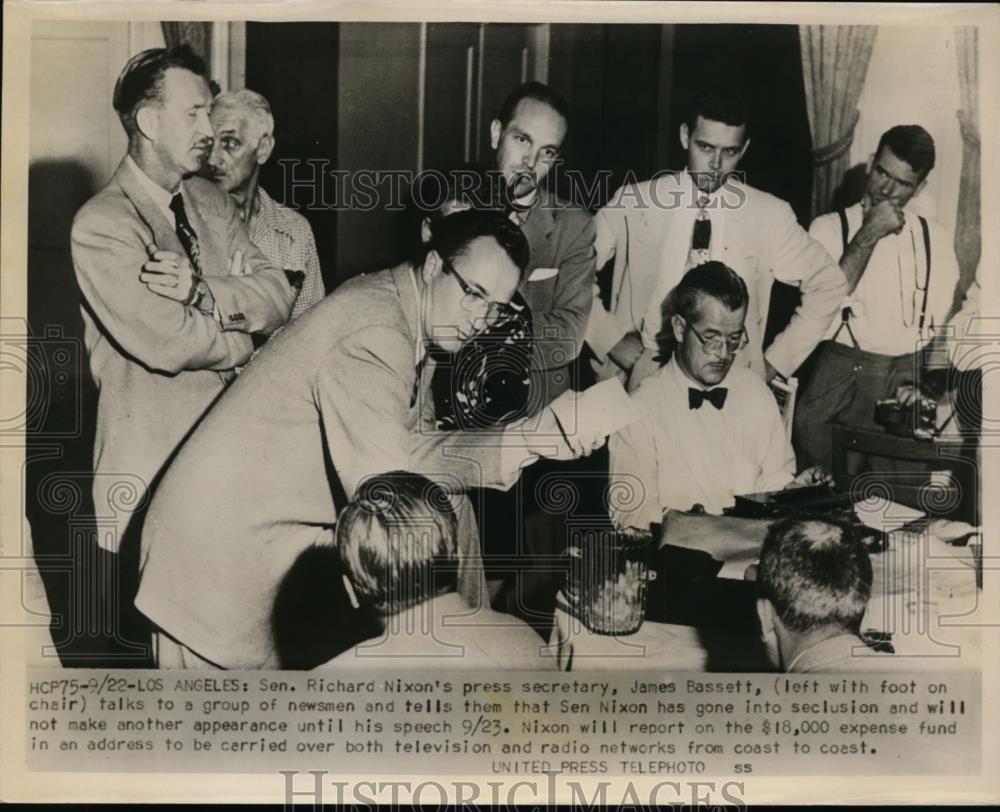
[886,303]
[285,237]
[160,196]
[675,457]
[647,229]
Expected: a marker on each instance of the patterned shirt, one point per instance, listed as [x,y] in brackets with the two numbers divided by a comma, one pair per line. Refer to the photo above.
[285,238]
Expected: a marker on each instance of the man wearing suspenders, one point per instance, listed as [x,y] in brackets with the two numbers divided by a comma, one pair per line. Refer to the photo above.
[901,274]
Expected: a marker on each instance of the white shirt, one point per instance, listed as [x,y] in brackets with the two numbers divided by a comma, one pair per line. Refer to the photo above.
[160,196]
[887,302]
[675,258]
[676,457]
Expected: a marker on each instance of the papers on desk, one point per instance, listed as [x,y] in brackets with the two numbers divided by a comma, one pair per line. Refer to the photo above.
[603,408]
[883,514]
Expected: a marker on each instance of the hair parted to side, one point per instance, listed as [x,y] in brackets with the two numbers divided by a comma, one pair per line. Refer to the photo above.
[255,107]
[532,90]
[721,104]
[816,573]
[141,80]
[452,235]
[713,278]
[397,542]
[910,143]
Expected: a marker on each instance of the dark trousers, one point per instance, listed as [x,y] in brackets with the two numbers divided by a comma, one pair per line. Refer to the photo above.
[843,388]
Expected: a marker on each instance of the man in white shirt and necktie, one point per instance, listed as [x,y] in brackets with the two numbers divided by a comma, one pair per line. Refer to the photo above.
[658,229]
[901,273]
[710,428]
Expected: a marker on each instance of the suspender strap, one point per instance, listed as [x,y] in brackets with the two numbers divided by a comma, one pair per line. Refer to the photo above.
[845,313]
[927,276]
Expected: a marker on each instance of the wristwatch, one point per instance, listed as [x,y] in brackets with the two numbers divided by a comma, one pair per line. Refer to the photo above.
[199,290]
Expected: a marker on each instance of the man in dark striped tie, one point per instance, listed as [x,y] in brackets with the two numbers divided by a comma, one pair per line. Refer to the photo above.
[165,320]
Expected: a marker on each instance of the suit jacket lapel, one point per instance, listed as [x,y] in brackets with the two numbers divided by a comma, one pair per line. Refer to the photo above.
[214,261]
[161,230]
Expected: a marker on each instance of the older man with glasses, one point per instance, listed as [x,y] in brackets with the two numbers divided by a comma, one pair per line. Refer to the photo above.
[711,429]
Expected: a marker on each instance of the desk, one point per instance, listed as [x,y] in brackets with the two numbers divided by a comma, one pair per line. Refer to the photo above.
[922,591]
[907,488]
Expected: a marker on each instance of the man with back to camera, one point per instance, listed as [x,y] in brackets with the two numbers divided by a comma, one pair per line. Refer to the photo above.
[658,229]
[340,394]
[398,549]
[165,322]
[901,273]
[244,140]
[814,580]
[527,135]
[710,428]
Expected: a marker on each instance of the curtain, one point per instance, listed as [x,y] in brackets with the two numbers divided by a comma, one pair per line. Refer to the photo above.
[968,229]
[197,35]
[834,63]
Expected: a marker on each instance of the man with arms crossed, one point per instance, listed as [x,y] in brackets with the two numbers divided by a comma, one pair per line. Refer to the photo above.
[165,322]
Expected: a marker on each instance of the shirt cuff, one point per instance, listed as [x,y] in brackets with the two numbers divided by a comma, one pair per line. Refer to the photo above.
[603,331]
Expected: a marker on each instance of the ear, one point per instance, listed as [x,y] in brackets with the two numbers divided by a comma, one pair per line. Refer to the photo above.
[685,135]
[264,149]
[677,324]
[148,121]
[432,267]
[425,230]
[765,613]
[496,128]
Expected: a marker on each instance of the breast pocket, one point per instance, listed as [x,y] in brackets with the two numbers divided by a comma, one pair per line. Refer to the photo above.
[539,291]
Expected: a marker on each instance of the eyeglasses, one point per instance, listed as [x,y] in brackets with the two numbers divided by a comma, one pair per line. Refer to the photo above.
[474,300]
[719,344]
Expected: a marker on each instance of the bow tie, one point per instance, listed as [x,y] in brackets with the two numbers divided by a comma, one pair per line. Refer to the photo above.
[717,397]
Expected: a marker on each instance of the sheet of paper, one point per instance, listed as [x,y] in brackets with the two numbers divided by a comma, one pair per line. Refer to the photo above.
[604,407]
[884,514]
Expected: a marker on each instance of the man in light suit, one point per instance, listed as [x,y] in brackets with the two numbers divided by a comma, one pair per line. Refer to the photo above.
[165,321]
[527,135]
[658,229]
[340,394]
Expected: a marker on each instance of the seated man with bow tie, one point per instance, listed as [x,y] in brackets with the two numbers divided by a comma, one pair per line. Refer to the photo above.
[711,430]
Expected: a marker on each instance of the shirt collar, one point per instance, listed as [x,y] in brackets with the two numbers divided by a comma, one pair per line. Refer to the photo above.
[692,189]
[826,651]
[684,382]
[160,196]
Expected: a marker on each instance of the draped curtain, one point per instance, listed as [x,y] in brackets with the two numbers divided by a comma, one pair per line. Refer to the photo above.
[834,63]
[968,229]
[197,35]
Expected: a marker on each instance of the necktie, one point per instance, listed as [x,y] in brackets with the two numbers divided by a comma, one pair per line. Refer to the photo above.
[701,235]
[185,233]
[717,397]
